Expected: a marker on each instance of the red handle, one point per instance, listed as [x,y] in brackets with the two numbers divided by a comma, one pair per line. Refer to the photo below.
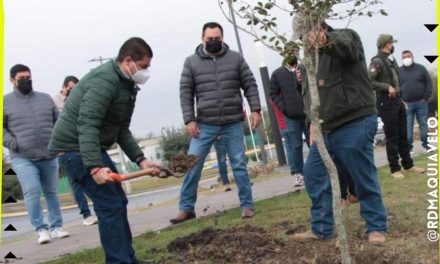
[118,177]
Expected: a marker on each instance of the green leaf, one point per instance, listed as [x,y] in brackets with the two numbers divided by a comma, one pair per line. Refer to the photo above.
[262,12]
[282,38]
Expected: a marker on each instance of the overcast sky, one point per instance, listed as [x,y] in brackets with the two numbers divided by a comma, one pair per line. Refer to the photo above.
[57,38]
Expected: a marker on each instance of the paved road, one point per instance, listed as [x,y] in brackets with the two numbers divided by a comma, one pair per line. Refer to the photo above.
[142,218]
[71,216]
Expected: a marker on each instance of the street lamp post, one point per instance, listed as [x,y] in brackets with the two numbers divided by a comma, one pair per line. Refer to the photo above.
[266,84]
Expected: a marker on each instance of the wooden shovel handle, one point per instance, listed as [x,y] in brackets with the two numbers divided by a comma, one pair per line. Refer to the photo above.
[131,175]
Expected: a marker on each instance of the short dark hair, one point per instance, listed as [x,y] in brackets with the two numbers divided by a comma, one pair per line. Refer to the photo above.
[324,25]
[211,25]
[69,79]
[18,68]
[136,48]
[406,51]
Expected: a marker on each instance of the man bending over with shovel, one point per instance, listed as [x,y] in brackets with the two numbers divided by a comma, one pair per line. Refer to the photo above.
[96,116]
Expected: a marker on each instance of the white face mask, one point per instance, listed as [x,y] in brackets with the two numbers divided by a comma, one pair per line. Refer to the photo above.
[407,62]
[140,76]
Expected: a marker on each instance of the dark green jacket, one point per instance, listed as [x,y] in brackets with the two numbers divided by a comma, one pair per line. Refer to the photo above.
[344,88]
[97,115]
[381,75]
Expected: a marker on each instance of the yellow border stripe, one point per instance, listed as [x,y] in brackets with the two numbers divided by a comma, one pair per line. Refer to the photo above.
[438,74]
[2,41]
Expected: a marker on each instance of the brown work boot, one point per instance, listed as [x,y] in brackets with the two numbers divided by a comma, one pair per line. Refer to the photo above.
[247,213]
[305,236]
[417,170]
[182,217]
[397,175]
[376,238]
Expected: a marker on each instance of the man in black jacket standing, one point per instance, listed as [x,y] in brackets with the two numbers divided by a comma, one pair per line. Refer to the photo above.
[284,93]
[385,80]
[214,76]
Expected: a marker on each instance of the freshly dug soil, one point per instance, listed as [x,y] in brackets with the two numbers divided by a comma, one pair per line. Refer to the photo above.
[182,162]
[251,244]
[235,245]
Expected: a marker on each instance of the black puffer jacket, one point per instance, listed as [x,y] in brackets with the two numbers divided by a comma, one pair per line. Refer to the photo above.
[215,83]
[284,93]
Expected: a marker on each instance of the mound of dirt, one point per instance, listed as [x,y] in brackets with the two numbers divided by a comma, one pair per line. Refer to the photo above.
[250,244]
[235,245]
[182,162]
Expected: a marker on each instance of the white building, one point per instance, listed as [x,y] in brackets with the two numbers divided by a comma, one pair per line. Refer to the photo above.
[150,147]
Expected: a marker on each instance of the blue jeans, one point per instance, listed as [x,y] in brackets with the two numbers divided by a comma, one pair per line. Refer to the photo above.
[352,145]
[110,204]
[295,130]
[288,149]
[232,136]
[80,198]
[36,177]
[220,149]
[420,110]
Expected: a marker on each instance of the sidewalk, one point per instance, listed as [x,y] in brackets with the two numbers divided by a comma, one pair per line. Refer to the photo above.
[146,218]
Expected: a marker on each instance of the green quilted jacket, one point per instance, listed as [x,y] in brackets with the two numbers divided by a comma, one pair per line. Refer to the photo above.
[96,115]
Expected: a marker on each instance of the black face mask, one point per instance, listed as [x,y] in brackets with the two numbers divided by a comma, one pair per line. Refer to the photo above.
[392,50]
[293,61]
[214,46]
[24,86]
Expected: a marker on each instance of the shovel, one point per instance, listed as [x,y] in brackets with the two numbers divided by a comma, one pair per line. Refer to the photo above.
[184,163]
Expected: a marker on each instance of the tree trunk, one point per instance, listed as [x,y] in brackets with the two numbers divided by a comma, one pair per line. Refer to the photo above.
[311,67]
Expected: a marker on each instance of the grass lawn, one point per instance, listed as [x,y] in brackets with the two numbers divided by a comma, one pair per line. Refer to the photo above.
[225,238]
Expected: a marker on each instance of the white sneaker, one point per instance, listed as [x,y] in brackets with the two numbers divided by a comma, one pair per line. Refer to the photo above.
[59,232]
[43,236]
[299,180]
[90,220]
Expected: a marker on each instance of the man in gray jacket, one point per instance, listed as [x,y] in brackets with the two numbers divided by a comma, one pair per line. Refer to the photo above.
[28,120]
[214,76]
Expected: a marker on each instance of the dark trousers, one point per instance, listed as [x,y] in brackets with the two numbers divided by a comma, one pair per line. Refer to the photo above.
[110,204]
[345,180]
[432,109]
[393,114]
